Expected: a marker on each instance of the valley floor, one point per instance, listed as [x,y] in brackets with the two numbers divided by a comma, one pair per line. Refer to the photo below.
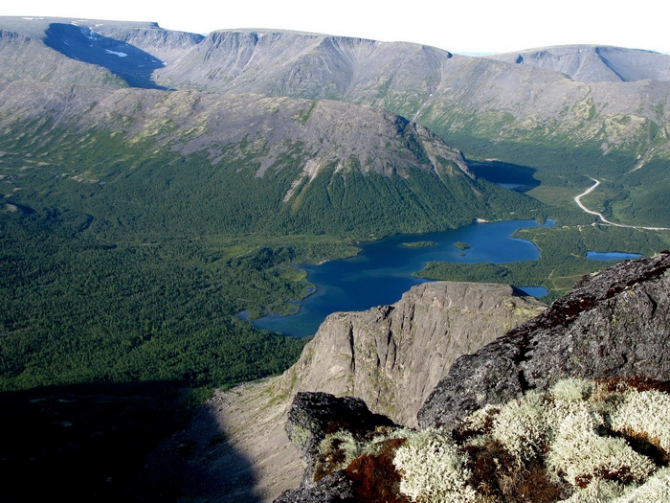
[578,200]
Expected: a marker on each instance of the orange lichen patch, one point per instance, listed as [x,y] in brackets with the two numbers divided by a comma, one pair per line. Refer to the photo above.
[645,444]
[375,477]
[638,383]
[497,477]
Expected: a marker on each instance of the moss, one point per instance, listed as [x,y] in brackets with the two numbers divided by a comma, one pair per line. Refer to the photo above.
[375,476]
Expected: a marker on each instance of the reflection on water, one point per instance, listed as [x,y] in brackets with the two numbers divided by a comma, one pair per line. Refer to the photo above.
[383,271]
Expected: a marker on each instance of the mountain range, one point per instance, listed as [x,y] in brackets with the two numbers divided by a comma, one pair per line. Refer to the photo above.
[569,112]
[157,188]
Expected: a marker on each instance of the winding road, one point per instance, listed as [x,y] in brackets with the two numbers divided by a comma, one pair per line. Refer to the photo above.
[578,200]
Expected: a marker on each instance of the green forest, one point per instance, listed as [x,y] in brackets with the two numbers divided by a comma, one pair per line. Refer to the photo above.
[562,259]
[121,262]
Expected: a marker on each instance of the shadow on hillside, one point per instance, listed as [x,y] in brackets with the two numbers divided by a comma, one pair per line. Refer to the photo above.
[132,64]
[515,177]
[107,443]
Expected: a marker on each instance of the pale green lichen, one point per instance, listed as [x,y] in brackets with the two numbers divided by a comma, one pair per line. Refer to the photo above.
[480,421]
[579,454]
[598,491]
[645,414]
[578,432]
[433,470]
[655,490]
[336,451]
[572,389]
[382,435]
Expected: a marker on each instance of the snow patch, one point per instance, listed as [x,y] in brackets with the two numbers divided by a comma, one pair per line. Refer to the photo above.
[119,54]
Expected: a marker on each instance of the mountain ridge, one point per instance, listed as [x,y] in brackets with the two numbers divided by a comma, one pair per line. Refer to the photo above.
[595,63]
[455,96]
[316,161]
[391,355]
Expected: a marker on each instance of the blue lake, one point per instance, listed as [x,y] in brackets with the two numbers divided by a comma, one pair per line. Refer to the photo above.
[382,272]
[612,255]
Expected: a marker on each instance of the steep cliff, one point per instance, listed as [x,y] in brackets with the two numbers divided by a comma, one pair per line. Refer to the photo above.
[571,404]
[392,356]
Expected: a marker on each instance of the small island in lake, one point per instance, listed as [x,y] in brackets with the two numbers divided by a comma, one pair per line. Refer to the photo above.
[461,245]
[420,244]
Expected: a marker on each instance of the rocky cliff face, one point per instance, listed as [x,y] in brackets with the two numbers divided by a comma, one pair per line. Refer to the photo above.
[615,323]
[393,356]
[612,327]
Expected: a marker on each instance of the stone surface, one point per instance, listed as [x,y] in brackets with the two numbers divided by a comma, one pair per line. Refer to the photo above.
[615,323]
[409,346]
[393,356]
[314,415]
[334,488]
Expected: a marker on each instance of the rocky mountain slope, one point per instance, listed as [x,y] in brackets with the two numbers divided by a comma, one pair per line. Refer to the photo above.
[601,97]
[613,324]
[559,94]
[391,355]
[568,111]
[581,93]
[533,400]
[273,163]
[588,63]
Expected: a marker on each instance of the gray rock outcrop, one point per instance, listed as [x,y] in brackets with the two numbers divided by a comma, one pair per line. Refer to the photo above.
[335,488]
[313,415]
[615,323]
[393,356]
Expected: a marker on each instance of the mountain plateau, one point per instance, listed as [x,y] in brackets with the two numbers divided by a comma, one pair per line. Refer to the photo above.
[569,111]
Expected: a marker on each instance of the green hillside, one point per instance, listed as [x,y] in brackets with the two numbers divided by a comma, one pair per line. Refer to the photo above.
[124,258]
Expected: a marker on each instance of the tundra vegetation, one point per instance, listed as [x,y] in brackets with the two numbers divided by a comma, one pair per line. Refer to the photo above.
[581,441]
[135,224]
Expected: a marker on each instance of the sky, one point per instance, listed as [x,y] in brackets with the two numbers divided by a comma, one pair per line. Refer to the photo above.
[461,26]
